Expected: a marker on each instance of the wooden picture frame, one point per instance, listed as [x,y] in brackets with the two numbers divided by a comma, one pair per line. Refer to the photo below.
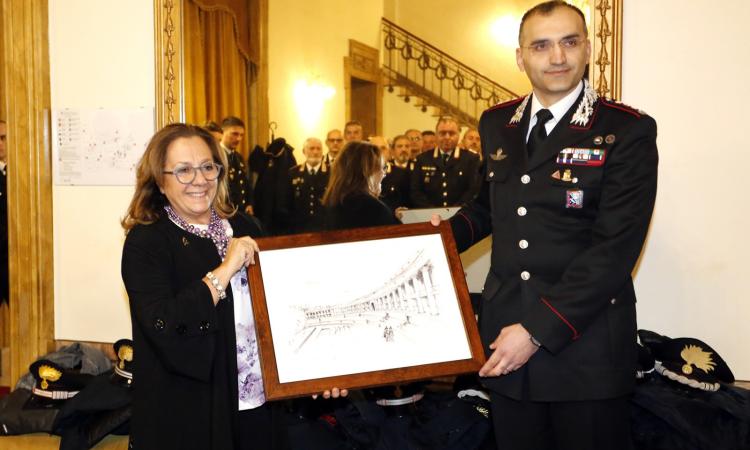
[361,308]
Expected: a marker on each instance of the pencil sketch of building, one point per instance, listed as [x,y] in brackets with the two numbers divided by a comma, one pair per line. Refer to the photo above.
[404,300]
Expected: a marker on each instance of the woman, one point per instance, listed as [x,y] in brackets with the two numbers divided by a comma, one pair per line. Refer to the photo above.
[352,193]
[197,379]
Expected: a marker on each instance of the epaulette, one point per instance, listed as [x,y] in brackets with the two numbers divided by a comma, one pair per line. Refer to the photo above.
[623,107]
[515,101]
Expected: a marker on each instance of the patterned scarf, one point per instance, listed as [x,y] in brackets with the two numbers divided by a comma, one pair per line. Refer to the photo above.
[215,231]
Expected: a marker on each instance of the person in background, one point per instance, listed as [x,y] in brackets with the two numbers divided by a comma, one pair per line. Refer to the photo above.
[334,142]
[215,130]
[429,140]
[304,190]
[351,198]
[353,131]
[395,185]
[472,142]
[238,174]
[381,143]
[415,141]
[446,176]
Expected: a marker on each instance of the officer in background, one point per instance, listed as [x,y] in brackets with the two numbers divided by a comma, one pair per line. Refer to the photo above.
[238,174]
[334,142]
[446,176]
[395,186]
[569,184]
[305,187]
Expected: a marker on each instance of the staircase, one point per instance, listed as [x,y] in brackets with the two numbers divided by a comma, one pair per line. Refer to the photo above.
[435,79]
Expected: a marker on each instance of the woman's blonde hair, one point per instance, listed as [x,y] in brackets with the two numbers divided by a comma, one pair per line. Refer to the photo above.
[148,202]
[352,171]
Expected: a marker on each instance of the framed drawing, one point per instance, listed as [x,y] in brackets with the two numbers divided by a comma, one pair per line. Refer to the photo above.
[360,308]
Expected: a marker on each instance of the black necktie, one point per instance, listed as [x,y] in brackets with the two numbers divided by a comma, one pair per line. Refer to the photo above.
[539,132]
[446,157]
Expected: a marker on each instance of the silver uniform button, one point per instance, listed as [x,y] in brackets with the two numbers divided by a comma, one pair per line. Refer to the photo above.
[521,211]
[523,243]
[525,275]
[613,301]
[492,174]
[525,179]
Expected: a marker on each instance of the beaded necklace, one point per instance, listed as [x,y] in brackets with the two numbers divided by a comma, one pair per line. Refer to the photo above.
[215,231]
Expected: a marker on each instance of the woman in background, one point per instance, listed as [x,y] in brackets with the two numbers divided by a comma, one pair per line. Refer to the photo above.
[352,193]
[197,378]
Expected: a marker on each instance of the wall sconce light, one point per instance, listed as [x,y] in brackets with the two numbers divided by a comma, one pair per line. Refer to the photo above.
[504,30]
[310,98]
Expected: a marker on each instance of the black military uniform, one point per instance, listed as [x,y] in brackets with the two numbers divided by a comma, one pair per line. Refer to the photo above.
[395,185]
[438,180]
[272,168]
[240,187]
[568,225]
[305,212]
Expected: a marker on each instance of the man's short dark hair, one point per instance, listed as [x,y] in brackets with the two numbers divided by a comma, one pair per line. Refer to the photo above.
[428,133]
[353,123]
[210,125]
[232,121]
[546,8]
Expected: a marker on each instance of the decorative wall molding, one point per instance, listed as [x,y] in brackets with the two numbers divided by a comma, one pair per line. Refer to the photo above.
[25,56]
[168,64]
[606,55]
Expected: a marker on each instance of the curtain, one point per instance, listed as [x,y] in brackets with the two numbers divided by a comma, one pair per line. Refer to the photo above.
[217,72]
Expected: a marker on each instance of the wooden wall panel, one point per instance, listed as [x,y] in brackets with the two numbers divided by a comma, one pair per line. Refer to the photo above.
[26,85]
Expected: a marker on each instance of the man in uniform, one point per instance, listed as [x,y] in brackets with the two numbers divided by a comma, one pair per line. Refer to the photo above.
[415,140]
[306,185]
[429,140]
[395,186]
[568,191]
[471,141]
[353,131]
[240,188]
[446,176]
[334,142]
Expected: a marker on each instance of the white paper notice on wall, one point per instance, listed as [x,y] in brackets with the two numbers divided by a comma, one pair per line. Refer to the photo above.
[99,147]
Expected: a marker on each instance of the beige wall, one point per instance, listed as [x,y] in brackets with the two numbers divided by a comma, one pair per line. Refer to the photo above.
[399,116]
[685,63]
[307,43]
[101,55]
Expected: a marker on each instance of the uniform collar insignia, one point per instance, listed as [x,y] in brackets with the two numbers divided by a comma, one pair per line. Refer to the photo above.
[586,107]
[519,111]
[498,155]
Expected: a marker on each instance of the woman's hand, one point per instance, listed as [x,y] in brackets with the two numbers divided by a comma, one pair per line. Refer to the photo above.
[333,393]
[240,253]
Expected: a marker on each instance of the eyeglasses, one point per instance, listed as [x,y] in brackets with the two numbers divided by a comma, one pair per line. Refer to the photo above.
[336,140]
[187,174]
[415,138]
[546,46]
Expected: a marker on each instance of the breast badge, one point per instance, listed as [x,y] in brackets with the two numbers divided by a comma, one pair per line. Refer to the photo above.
[591,157]
[574,199]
